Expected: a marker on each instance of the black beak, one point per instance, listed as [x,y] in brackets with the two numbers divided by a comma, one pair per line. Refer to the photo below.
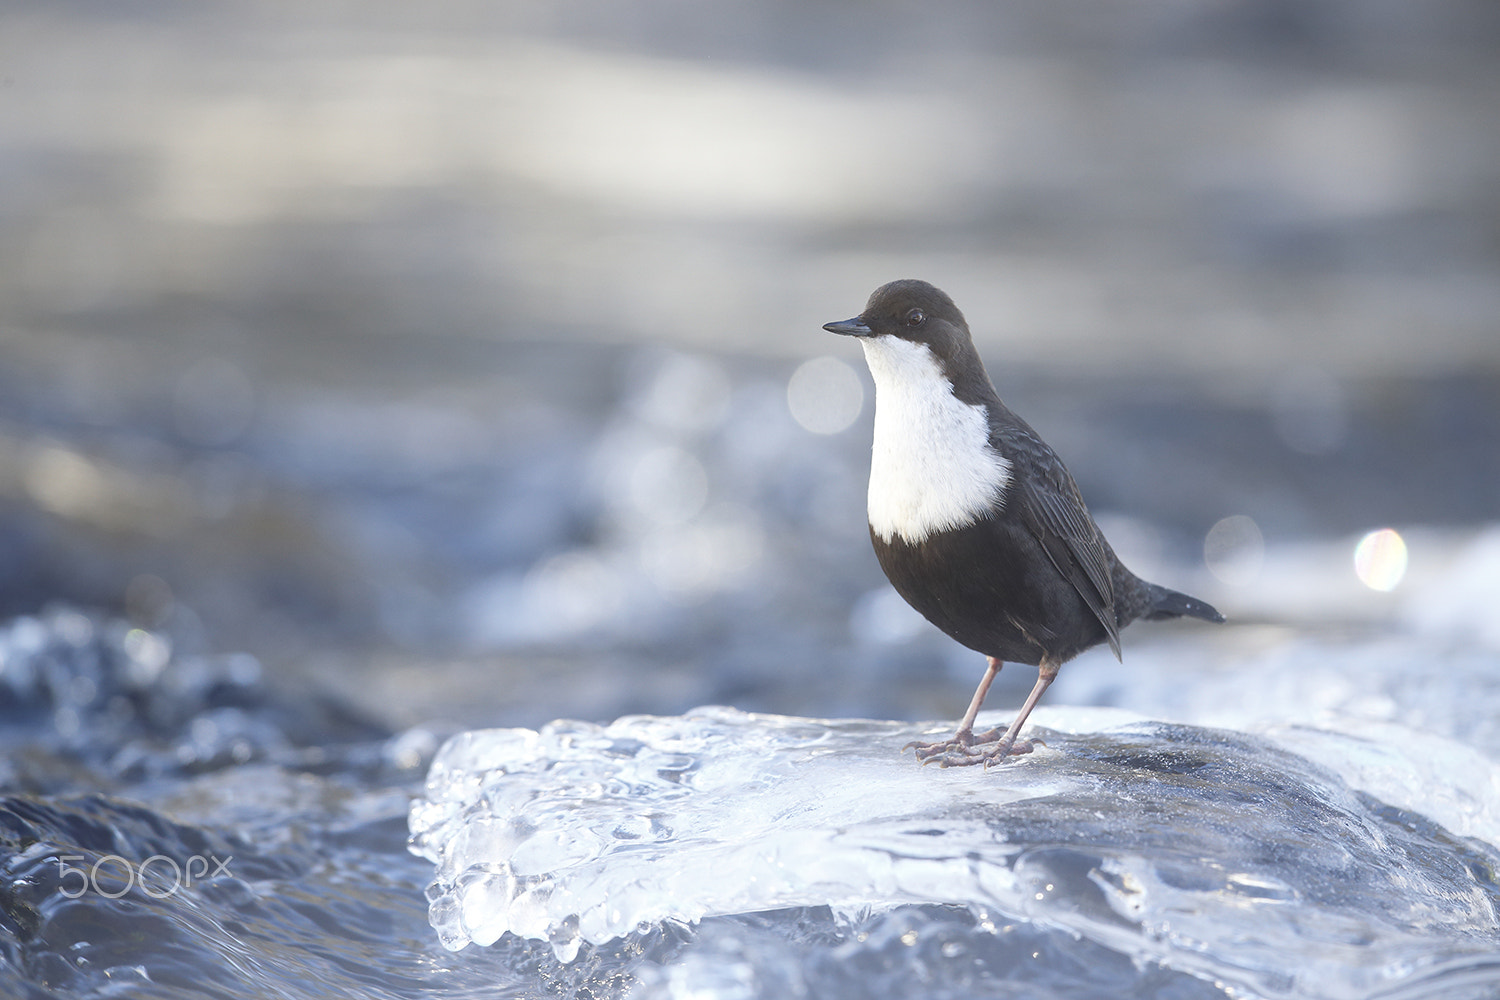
[850,327]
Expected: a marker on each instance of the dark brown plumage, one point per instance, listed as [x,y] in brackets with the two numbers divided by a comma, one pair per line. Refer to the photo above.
[976,521]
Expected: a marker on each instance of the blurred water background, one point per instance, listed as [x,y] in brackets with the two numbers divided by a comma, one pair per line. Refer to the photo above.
[370,372]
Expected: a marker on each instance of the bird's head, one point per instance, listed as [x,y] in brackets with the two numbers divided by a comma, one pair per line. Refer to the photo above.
[914,311]
[909,328]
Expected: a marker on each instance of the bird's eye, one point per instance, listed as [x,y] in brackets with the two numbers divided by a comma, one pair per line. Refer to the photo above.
[915,317]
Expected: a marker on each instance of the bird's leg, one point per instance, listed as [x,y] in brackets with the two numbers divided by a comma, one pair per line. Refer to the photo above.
[961,741]
[1008,745]
[958,752]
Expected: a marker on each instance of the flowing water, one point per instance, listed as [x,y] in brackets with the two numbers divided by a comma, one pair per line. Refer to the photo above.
[379,386]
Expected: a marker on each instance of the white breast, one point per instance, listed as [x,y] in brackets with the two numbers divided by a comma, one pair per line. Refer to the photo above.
[932,468]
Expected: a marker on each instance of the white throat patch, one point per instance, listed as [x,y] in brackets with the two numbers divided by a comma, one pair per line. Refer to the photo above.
[932,467]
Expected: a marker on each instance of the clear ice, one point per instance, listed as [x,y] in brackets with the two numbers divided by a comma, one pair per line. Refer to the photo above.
[1348,861]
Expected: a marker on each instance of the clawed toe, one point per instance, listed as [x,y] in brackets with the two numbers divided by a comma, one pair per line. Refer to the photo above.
[960,750]
[948,753]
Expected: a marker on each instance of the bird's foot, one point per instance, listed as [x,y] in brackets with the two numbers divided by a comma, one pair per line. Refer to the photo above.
[963,749]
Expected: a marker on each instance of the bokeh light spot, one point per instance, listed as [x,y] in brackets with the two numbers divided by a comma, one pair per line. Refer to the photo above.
[684,393]
[716,553]
[1234,550]
[569,593]
[1380,559]
[668,485]
[64,482]
[825,395]
[884,618]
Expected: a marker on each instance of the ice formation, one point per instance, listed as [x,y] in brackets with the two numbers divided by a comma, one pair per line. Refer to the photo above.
[1296,863]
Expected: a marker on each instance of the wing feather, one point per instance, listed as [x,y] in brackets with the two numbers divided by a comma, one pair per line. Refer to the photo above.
[1053,510]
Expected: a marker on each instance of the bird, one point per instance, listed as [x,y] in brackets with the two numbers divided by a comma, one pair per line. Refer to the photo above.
[976,521]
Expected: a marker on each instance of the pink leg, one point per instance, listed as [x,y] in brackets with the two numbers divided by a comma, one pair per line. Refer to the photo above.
[956,751]
[964,737]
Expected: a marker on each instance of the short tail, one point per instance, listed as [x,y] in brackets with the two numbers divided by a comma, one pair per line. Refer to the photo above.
[1171,604]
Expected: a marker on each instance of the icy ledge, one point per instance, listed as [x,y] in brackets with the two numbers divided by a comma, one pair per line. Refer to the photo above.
[1365,865]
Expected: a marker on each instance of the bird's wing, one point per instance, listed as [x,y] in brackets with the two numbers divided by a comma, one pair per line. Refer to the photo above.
[1053,510]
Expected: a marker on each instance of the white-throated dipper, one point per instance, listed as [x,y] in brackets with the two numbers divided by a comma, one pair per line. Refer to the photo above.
[975,520]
